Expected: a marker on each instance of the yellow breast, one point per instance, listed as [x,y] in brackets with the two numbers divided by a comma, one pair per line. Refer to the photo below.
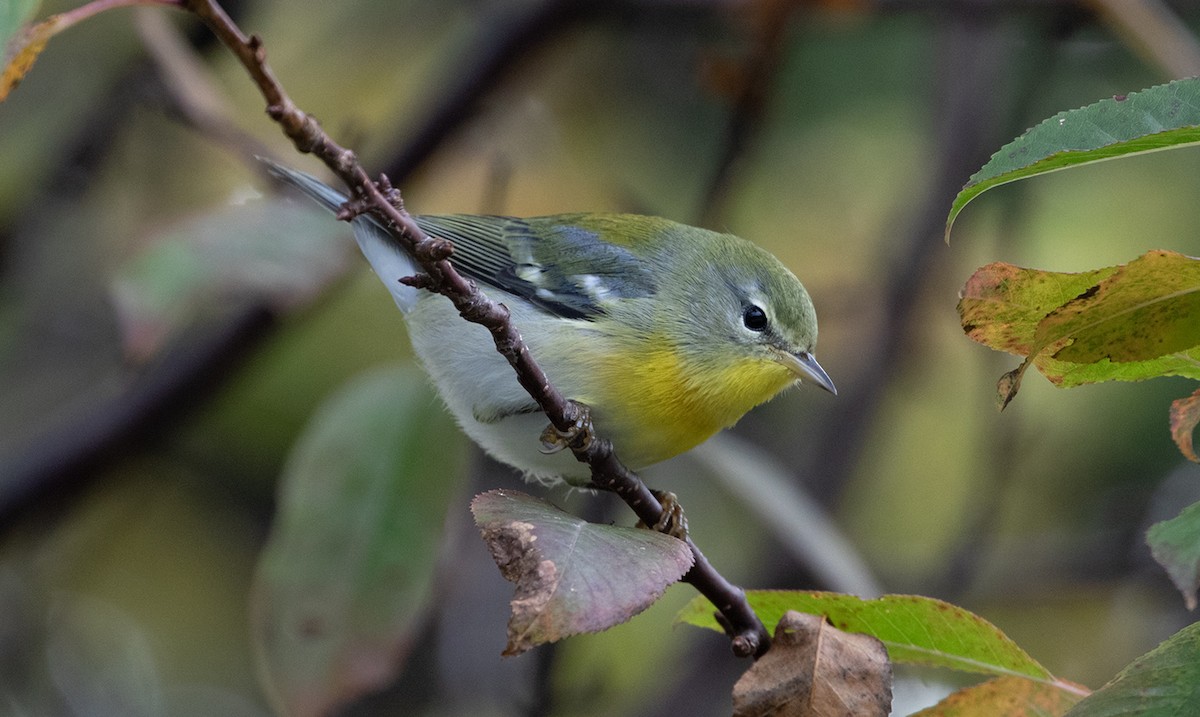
[655,405]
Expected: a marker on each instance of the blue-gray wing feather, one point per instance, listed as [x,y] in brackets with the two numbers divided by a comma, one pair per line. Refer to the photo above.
[563,268]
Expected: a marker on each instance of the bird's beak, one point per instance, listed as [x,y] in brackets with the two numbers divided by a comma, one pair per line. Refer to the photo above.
[805,366]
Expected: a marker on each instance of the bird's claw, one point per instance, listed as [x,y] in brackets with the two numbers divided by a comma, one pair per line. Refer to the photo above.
[671,521]
[577,437]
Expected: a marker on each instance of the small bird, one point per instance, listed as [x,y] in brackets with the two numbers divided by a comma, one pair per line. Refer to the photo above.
[666,333]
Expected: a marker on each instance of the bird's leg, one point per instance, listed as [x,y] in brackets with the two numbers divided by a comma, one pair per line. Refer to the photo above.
[577,437]
[672,521]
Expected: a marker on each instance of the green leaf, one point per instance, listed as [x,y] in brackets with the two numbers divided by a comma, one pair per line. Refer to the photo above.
[1007,696]
[1157,118]
[1164,682]
[269,250]
[1125,323]
[1148,308]
[345,577]
[1002,304]
[1175,544]
[13,16]
[914,629]
[572,576]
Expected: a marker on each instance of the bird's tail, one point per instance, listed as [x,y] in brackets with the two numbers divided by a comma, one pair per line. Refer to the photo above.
[381,249]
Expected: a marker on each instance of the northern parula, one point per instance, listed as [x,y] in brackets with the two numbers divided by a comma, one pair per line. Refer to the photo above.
[666,332]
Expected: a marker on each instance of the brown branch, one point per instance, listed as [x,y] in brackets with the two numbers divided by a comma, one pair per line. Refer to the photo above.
[749,88]
[748,635]
[190,90]
[59,461]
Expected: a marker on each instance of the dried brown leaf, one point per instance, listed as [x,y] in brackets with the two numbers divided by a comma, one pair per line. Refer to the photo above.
[815,670]
[572,576]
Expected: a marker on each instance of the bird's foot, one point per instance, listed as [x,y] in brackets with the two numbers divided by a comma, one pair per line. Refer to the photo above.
[671,521]
[578,437]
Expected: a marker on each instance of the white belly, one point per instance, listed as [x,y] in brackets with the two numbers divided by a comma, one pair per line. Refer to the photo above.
[477,382]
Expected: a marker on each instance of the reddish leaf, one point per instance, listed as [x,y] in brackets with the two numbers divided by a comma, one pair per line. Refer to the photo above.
[1185,414]
[572,576]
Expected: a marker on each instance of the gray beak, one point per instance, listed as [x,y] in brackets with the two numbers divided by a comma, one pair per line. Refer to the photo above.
[805,366]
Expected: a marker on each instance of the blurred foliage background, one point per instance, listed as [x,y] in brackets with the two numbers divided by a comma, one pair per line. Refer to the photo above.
[173,337]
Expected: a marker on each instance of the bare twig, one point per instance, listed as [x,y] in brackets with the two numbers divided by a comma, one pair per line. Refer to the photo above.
[192,91]
[748,635]
[749,87]
[53,464]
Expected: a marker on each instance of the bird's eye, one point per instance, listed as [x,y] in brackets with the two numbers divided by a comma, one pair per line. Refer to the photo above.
[754,318]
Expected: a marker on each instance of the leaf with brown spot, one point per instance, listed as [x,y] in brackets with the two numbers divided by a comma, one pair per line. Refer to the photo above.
[1143,315]
[1007,696]
[1185,414]
[1122,323]
[1147,308]
[815,670]
[1002,304]
[572,576]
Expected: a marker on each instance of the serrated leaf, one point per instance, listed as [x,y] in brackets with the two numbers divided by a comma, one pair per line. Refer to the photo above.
[1164,682]
[1175,544]
[572,576]
[346,574]
[1162,117]
[914,629]
[1007,696]
[1185,414]
[816,670]
[269,250]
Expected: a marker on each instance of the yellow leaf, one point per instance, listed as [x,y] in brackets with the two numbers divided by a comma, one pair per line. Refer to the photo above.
[24,49]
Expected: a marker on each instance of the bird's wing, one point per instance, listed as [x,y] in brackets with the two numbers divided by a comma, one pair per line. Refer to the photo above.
[565,268]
